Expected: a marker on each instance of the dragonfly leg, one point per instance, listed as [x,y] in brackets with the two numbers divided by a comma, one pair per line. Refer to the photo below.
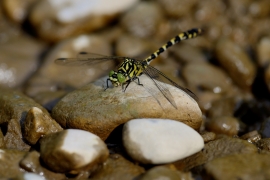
[107,84]
[138,80]
[124,88]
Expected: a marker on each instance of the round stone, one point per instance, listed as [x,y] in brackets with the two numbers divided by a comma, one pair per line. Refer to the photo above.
[100,112]
[236,62]
[72,151]
[32,176]
[157,141]
[37,124]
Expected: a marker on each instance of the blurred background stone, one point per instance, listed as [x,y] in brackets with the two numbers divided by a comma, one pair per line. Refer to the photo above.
[68,18]
[146,24]
[50,76]
[9,162]
[19,59]
[17,10]
[237,63]
[227,68]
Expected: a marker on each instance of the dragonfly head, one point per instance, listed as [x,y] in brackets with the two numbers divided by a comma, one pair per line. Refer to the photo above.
[116,78]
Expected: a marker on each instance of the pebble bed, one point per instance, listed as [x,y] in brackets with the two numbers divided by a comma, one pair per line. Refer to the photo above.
[57,122]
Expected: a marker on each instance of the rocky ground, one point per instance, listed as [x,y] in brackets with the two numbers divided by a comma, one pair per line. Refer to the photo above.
[57,122]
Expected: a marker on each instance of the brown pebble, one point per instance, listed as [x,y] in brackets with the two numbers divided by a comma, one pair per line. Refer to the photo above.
[224,125]
[236,62]
[263,51]
[252,137]
[208,136]
[37,124]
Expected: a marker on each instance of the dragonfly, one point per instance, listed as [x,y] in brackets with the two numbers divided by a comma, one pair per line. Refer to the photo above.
[131,69]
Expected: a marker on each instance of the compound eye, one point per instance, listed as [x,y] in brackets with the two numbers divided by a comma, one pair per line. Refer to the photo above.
[111,73]
[121,78]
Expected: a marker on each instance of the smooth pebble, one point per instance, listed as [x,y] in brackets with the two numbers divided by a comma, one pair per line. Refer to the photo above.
[32,176]
[157,141]
[72,150]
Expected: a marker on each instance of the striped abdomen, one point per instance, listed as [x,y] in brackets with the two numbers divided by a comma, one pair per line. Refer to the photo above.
[180,37]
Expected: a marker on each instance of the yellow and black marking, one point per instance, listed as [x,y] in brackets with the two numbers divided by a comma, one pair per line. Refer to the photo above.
[131,69]
[180,37]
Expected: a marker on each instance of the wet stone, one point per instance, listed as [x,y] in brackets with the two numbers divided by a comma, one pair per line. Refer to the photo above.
[162,172]
[9,163]
[131,46]
[259,29]
[260,8]
[209,11]
[237,6]
[53,77]
[208,136]
[112,33]
[48,99]
[67,18]
[29,176]
[188,53]
[264,144]
[177,9]
[72,151]
[263,51]
[18,59]
[215,149]
[236,62]
[8,30]
[206,100]
[13,138]
[117,167]
[17,103]
[2,142]
[222,107]
[159,141]
[31,163]
[239,36]
[239,166]
[37,124]
[252,137]
[224,125]
[225,146]
[16,9]
[100,112]
[143,20]
[171,68]
[217,25]
[207,77]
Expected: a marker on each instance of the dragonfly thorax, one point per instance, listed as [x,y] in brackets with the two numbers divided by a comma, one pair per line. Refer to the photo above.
[117,78]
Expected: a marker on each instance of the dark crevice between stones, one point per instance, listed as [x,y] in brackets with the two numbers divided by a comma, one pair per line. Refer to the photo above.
[253,113]
[259,87]
[4,128]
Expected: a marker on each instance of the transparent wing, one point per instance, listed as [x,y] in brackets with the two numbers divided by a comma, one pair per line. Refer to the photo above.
[87,59]
[159,77]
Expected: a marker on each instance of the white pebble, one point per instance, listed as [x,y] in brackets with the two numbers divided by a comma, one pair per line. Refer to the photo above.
[72,149]
[158,141]
[32,176]
[71,10]
[81,143]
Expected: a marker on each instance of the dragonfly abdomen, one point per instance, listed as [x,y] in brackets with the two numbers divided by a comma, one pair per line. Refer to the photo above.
[180,37]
